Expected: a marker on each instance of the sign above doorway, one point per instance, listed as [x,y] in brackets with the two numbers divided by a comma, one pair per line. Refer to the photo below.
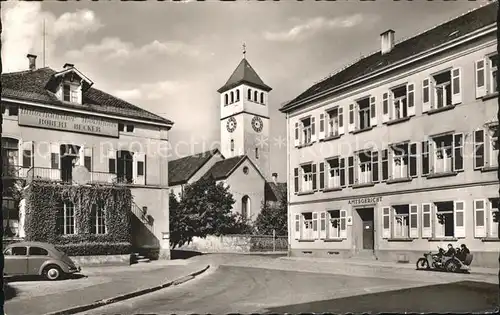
[367,200]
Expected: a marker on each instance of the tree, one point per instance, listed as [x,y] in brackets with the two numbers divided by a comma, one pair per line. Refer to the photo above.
[205,208]
[273,216]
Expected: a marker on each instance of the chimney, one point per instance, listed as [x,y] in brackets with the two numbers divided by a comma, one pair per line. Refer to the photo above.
[275,177]
[32,61]
[387,41]
[68,65]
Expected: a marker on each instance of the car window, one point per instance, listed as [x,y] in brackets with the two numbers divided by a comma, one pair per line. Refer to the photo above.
[8,252]
[19,251]
[37,251]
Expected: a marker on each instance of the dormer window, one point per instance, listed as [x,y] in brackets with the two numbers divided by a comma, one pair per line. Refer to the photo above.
[70,93]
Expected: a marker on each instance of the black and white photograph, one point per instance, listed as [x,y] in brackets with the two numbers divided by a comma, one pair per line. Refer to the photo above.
[249,157]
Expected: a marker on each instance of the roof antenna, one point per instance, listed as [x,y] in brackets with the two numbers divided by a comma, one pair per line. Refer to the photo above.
[43,36]
[244,51]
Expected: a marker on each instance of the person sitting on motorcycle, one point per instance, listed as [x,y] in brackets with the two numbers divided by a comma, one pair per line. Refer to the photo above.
[464,251]
[451,251]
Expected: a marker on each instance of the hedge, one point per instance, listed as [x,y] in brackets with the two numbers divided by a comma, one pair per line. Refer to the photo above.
[44,199]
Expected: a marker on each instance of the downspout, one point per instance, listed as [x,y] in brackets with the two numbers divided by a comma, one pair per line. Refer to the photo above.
[289,214]
[498,157]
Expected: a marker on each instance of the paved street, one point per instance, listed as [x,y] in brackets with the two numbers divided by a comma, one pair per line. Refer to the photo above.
[262,284]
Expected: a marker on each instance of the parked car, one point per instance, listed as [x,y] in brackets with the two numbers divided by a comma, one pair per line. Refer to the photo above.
[36,258]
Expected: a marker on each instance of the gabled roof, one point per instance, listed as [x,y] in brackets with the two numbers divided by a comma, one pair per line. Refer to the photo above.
[223,169]
[30,86]
[181,170]
[275,191]
[441,34]
[244,73]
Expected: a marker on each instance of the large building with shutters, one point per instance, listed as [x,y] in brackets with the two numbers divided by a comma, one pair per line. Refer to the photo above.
[58,127]
[397,153]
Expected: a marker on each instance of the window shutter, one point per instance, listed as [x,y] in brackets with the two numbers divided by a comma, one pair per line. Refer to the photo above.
[386,222]
[479,218]
[112,161]
[321,135]
[385,165]
[456,86]
[413,221]
[425,158]
[297,226]
[322,225]
[375,176]
[297,133]
[296,180]
[343,224]
[459,218]
[321,175]
[385,107]
[343,179]
[341,120]
[139,168]
[426,95]
[313,129]
[458,149]
[315,225]
[479,160]
[413,161]
[87,158]
[373,111]
[481,89]
[390,168]
[426,220]
[26,154]
[314,177]
[55,156]
[432,155]
[350,171]
[352,126]
[410,99]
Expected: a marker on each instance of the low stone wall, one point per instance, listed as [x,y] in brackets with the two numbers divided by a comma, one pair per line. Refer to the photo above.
[99,260]
[237,244]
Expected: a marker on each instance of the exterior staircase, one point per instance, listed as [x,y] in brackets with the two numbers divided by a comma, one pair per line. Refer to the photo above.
[137,258]
[365,255]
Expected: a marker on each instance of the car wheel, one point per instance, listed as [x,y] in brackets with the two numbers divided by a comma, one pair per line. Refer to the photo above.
[52,273]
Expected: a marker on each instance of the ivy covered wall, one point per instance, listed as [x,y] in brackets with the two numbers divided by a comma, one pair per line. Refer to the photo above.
[44,199]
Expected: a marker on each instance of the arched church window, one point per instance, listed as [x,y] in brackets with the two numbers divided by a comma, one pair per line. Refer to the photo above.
[262,97]
[255,96]
[232,97]
[245,206]
[249,94]
[237,95]
[256,153]
[226,99]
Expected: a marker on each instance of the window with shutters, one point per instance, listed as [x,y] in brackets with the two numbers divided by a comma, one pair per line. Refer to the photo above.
[400,103]
[401,221]
[336,173]
[384,157]
[492,225]
[306,131]
[334,224]
[307,226]
[364,159]
[400,161]
[445,154]
[363,107]
[442,89]
[493,63]
[449,219]
[308,183]
[333,123]
[493,145]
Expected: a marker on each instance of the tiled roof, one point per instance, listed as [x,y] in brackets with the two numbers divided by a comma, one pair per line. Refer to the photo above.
[181,170]
[275,191]
[244,73]
[441,34]
[222,169]
[30,86]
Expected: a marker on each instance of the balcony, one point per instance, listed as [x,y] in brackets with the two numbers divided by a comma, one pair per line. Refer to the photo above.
[10,171]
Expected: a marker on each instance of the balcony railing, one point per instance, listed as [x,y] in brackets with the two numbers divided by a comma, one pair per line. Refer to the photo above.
[13,171]
[142,215]
[46,173]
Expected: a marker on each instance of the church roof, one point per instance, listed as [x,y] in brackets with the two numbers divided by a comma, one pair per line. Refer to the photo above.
[444,33]
[222,169]
[244,73]
[33,86]
[275,191]
[181,170]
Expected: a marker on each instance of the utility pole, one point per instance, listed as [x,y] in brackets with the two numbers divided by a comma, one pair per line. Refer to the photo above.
[2,292]
[43,39]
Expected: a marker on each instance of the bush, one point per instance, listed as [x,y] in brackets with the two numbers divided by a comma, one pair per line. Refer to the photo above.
[44,199]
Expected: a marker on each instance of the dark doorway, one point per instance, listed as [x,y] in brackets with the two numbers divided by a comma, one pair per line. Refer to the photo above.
[366,215]
[124,167]
[69,154]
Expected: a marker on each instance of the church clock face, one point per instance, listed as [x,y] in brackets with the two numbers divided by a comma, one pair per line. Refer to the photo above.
[257,124]
[231,124]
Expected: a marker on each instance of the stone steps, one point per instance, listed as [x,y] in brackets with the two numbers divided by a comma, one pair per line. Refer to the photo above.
[137,258]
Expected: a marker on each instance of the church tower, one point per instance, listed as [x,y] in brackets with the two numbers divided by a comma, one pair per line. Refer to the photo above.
[245,116]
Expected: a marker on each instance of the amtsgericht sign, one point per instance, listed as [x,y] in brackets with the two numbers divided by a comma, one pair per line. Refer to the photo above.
[367,200]
[72,123]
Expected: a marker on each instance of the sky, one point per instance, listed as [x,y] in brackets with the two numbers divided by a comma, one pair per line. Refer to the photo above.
[170,58]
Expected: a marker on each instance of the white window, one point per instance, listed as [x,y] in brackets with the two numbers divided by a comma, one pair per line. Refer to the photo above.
[336,173]
[307,131]
[484,223]
[486,147]
[307,226]
[401,221]
[71,93]
[363,114]
[365,167]
[334,224]
[493,226]
[400,165]
[297,226]
[66,218]
[493,145]
[493,73]
[333,123]
[442,89]
[308,178]
[449,219]
[98,219]
[445,154]
[400,104]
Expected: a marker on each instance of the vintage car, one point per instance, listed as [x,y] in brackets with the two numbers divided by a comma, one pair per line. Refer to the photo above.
[36,258]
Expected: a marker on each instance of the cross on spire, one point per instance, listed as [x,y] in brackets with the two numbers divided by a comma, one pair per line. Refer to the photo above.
[244,50]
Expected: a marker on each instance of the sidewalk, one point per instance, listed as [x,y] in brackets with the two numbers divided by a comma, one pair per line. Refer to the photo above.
[382,264]
[42,297]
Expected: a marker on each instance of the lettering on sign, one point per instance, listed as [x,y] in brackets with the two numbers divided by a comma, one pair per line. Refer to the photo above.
[367,200]
[71,123]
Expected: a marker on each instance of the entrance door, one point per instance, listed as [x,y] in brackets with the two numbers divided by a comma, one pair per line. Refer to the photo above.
[67,168]
[366,216]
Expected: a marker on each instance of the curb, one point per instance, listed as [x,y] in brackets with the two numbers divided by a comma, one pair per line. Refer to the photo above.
[400,266]
[83,308]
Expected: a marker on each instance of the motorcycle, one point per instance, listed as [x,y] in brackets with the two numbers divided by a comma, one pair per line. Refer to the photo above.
[440,262]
